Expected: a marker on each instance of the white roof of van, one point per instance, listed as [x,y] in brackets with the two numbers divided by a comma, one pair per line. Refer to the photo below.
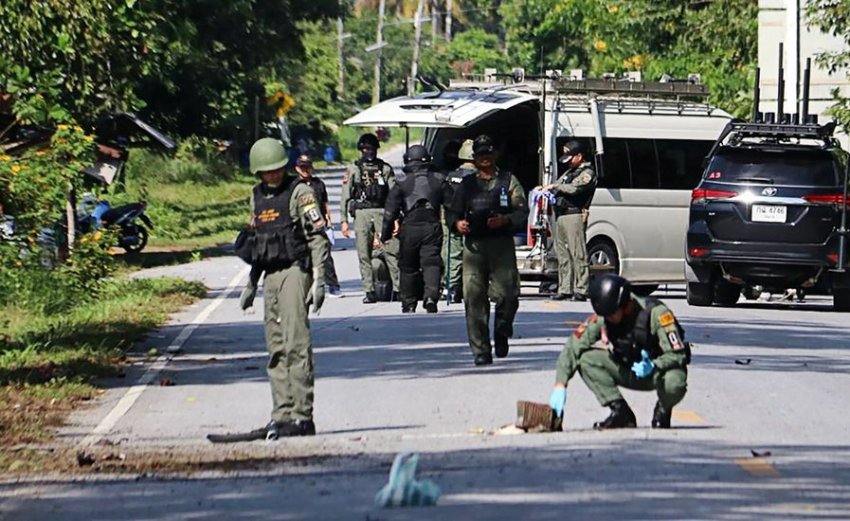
[449,109]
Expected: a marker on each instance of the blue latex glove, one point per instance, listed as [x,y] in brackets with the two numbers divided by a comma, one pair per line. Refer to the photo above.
[557,400]
[645,367]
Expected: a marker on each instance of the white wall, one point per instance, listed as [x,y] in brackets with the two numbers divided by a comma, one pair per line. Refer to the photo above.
[782,21]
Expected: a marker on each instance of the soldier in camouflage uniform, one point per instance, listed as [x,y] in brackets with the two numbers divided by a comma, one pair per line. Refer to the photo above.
[486,210]
[630,342]
[455,168]
[365,187]
[573,194]
[291,247]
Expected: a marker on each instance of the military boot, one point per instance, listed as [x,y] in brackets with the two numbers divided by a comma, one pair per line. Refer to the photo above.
[621,417]
[661,417]
[501,345]
[296,428]
[370,298]
[430,305]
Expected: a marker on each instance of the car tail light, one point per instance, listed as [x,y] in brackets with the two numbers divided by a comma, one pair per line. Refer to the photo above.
[836,199]
[702,194]
[698,252]
[833,257]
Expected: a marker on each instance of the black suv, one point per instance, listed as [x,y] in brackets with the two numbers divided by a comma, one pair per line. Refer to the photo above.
[766,216]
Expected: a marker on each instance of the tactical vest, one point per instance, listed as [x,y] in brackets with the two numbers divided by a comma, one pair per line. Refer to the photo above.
[566,204]
[421,189]
[371,190]
[627,345]
[279,241]
[482,204]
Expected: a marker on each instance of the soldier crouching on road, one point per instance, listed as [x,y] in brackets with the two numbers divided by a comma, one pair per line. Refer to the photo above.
[640,346]
[291,247]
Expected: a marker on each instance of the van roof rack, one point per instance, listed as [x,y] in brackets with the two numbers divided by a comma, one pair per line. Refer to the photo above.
[677,88]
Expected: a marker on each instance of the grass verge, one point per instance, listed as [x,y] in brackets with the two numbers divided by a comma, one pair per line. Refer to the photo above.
[49,364]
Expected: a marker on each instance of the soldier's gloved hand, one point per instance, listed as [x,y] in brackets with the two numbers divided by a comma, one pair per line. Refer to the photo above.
[645,367]
[558,400]
[317,292]
[246,299]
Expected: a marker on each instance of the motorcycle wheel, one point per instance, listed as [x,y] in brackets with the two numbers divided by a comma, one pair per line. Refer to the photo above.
[140,244]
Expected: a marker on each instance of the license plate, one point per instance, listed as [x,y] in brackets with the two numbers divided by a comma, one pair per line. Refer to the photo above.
[763,213]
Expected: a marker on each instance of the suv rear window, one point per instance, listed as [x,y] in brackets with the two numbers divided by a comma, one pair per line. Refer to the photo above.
[780,167]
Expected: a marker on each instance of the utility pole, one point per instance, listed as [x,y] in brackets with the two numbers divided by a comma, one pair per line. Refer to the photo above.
[340,84]
[414,64]
[449,7]
[379,42]
[435,13]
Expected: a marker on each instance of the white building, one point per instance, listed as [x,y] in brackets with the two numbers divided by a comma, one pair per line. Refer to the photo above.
[783,21]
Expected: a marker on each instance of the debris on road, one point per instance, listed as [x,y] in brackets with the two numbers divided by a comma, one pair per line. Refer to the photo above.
[745,361]
[84,459]
[536,417]
[166,382]
[403,489]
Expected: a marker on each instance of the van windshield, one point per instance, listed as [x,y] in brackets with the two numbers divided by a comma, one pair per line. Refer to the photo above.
[779,167]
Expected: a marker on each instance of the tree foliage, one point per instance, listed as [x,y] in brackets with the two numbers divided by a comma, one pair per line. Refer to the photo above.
[717,39]
[833,17]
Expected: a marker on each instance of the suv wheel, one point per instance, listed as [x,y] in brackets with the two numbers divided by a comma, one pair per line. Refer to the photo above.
[726,293]
[841,299]
[700,294]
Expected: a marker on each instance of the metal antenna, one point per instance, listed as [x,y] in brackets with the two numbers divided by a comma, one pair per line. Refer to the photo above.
[780,88]
[807,76]
[756,96]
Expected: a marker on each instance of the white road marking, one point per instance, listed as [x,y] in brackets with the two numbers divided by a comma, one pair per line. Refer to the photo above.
[129,399]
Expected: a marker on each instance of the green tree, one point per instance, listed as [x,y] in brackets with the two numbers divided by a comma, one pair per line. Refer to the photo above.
[833,17]
[716,39]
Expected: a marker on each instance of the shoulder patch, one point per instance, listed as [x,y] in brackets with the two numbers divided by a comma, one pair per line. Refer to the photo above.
[666,319]
[306,199]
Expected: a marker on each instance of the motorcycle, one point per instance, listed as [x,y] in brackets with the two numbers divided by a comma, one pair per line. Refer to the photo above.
[133,236]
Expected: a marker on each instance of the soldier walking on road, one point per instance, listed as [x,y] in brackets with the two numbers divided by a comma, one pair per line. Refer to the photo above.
[418,195]
[365,187]
[642,347]
[291,247]
[455,169]
[573,194]
[304,169]
[491,205]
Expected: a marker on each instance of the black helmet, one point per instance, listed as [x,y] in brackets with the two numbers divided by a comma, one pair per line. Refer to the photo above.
[608,293]
[417,153]
[368,140]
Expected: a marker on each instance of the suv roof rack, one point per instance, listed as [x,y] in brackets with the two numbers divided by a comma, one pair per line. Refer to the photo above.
[808,131]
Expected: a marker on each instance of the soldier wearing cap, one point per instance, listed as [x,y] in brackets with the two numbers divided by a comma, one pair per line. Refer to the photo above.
[291,248]
[573,194]
[304,169]
[486,210]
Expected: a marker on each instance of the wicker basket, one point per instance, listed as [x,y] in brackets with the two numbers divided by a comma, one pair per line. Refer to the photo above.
[536,417]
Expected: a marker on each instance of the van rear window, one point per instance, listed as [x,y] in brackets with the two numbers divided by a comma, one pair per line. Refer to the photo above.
[779,167]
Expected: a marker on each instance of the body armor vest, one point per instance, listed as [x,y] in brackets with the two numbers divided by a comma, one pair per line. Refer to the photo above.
[566,204]
[628,340]
[422,189]
[278,241]
[371,190]
[482,204]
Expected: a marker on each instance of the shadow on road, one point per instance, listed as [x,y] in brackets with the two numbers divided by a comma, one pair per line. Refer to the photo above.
[626,479]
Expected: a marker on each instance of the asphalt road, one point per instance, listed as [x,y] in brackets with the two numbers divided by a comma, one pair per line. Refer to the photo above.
[769,379]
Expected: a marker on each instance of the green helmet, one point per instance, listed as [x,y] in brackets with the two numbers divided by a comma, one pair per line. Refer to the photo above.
[267,154]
